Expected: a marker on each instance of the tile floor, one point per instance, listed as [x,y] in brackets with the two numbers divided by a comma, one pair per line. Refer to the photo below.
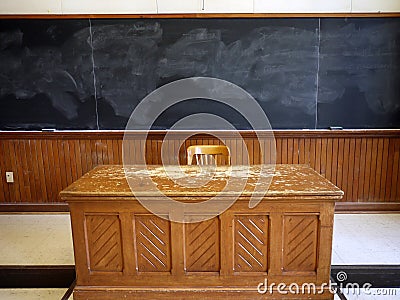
[31,239]
[366,239]
[32,294]
[45,239]
[371,294]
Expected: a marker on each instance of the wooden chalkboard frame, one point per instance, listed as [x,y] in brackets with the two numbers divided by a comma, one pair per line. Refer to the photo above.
[202,16]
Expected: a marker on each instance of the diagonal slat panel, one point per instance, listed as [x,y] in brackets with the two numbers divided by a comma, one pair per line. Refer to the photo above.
[300,243]
[202,246]
[250,244]
[104,238]
[152,243]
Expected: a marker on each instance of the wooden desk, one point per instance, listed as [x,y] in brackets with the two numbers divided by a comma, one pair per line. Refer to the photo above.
[122,251]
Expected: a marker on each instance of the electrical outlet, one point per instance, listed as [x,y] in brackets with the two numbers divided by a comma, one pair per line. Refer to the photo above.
[10,177]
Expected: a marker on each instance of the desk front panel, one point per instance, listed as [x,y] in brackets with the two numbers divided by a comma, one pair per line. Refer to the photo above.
[120,244]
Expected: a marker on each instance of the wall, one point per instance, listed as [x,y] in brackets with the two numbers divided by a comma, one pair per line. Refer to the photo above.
[363,163]
[195,6]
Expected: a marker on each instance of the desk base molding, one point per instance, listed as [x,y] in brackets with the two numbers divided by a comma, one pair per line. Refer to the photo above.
[131,293]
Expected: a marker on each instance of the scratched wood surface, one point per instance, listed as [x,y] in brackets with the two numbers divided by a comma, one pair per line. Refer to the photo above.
[276,181]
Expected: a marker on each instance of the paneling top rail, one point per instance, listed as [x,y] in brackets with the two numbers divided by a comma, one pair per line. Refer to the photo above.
[18,15]
[118,134]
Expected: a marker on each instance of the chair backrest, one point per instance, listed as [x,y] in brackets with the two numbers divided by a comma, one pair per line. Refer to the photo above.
[208,155]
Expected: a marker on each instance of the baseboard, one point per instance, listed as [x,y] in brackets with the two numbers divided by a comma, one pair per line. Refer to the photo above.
[61,276]
[29,207]
[367,207]
[379,276]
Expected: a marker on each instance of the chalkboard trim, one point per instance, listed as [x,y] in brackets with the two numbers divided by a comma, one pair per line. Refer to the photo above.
[201,15]
[156,134]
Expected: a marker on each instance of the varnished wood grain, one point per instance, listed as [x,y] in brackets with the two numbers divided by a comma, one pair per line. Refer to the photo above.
[104,249]
[363,163]
[300,243]
[112,180]
[202,246]
[202,15]
[152,243]
[251,233]
[123,251]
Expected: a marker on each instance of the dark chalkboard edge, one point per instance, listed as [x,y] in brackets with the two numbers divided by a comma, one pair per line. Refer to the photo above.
[119,134]
[201,16]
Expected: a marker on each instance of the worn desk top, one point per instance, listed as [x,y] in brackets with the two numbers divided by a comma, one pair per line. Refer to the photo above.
[287,181]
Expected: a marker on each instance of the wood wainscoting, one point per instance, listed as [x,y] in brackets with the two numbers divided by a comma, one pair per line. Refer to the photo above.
[365,164]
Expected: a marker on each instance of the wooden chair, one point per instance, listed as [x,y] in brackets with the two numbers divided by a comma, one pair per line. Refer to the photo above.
[208,155]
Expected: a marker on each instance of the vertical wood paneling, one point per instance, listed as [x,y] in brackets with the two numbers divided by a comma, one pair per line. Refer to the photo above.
[385,153]
[367,168]
[296,153]
[18,174]
[62,161]
[356,169]
[8,167]
[243,150]
[372,177]
[67,160]
[379,163]
[313,153]
[78,158]
[351,170]
[43,184]
[289,151]
[346,187]
[279,159]
[4,190]
[395,172]
[72,160]
[35,170]
[328,159]
[390,166]
[256,155]
[334,160]
[234,157]
[25,167]
[339,171]
[46,170]
[116,152]
[3,184]
[363,171]
[284,149]
[323,156]
[307,149]
[302,151]
[57,168]
[318,148]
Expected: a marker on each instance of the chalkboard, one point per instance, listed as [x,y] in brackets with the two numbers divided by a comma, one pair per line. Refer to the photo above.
[304,72]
